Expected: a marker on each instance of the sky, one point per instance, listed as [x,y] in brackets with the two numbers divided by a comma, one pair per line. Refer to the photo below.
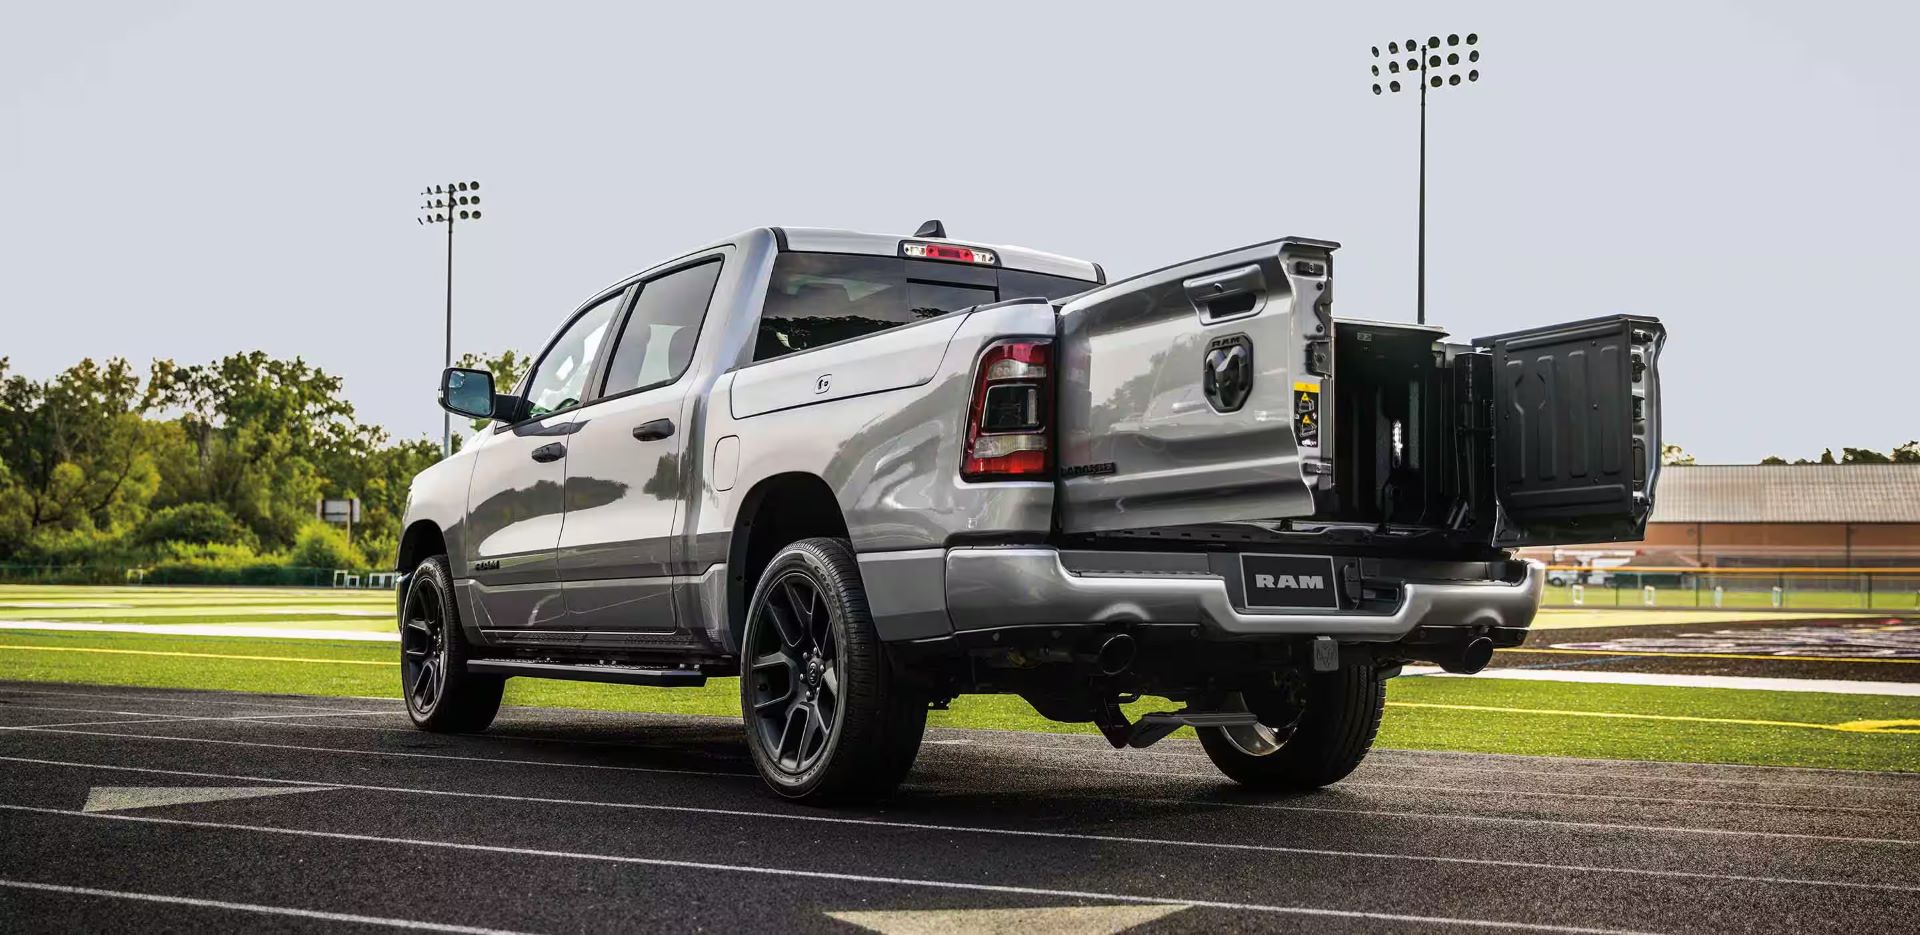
[188,180]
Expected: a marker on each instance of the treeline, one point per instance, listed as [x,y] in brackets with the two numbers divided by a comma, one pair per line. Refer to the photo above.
[1909,453]
[210,471]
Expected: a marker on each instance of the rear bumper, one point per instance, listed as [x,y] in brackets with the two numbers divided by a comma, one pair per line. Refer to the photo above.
[993,588]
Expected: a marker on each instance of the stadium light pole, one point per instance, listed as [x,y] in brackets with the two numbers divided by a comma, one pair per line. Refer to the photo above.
[1431,64]
[445,204]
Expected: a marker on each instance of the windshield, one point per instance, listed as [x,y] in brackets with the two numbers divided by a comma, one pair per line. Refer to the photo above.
[816,299]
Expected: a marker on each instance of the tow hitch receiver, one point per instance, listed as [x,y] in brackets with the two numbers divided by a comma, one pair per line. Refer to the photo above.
[1152,728]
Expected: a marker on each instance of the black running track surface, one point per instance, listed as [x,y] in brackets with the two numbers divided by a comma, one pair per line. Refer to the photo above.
[571,821]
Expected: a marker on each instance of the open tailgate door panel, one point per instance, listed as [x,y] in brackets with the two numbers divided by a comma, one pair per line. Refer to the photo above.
[1192,394]
[1576,430]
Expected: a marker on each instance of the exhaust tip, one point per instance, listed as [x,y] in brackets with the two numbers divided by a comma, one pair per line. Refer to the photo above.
[1115,655]
[1471,658]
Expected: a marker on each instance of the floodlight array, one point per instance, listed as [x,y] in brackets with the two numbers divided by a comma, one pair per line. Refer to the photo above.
[454,201]
[1435,63]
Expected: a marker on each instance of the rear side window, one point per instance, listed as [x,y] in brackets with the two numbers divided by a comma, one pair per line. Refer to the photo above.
[816,299]
[657,343]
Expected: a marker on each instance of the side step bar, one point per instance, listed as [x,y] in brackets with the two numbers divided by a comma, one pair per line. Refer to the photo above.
[621,675]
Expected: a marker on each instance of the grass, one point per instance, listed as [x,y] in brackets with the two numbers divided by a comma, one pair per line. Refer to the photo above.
[303,608]
[1606,721]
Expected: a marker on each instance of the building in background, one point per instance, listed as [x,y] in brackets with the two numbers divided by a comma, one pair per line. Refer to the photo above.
[1788,515]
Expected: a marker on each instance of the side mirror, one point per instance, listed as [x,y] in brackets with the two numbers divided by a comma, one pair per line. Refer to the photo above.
[467,392]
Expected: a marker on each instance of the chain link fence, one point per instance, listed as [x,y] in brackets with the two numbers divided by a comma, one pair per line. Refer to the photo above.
[1837,589]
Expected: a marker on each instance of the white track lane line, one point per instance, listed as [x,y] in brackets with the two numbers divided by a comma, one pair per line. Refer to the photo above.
[1377,759]
[1607,763]
[1364,784]
[398,753]
[921,882]
[186,697]
[1344,784]
[1002,832]
[411,924]
[1427,816]
[174,719]
[16,706]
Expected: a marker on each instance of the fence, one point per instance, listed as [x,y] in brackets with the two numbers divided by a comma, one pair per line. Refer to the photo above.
[256,575]
[1806,588]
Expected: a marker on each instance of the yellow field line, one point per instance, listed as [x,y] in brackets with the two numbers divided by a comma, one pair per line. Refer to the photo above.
[1875,727]
[1631,652]
[153,652]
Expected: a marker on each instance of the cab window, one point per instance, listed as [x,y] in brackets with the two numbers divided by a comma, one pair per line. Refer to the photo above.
[816,299]
[656,345]
[560,380]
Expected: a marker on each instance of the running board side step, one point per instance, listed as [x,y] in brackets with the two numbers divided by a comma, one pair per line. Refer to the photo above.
[620,675]
[1154,727]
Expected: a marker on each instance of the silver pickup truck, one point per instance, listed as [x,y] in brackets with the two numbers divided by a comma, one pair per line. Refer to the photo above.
[869,473]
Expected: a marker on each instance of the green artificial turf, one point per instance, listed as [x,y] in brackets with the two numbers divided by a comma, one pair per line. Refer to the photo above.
[1527,724]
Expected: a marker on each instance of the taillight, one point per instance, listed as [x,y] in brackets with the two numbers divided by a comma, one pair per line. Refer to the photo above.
[1008,418]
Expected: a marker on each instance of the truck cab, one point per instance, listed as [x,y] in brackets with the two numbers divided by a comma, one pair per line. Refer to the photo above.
[866,474]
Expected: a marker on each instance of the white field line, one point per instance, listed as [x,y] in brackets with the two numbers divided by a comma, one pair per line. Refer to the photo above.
[844,877]
[258,631]
[1010,832]
[256,908]
[1423,816]
[1667,680]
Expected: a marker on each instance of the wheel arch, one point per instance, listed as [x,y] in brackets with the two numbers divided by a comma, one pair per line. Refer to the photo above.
[779,510]
[422,539]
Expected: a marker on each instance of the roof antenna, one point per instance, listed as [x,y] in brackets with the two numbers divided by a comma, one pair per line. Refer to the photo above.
[932,228]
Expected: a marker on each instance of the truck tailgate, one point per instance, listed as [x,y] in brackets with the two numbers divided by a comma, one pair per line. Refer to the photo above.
[1194,394]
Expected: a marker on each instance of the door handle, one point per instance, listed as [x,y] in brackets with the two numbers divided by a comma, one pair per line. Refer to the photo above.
[551,452]
[653,431]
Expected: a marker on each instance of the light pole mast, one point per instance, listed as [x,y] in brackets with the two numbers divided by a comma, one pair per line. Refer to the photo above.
[1428,68]
[445,204]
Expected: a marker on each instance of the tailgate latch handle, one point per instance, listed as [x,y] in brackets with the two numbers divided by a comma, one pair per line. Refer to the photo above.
[1228,293]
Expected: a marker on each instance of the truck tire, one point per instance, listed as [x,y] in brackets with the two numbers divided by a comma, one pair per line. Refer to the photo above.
[441,696]
[826,720]
[1336,729]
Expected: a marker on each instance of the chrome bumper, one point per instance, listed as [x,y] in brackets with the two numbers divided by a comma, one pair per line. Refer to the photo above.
[988,588]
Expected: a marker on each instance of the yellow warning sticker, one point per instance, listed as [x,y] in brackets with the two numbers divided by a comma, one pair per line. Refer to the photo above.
[1304,387]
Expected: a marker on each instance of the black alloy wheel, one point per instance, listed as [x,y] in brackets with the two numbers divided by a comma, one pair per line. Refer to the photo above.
[441,694]
[797,673]
[423,649]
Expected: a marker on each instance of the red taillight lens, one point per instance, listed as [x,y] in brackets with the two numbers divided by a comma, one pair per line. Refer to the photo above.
[1009,418]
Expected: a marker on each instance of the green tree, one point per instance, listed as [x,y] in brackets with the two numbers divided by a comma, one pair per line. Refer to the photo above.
[195,523]
[80,452]
[1863,456]
[1908,453]
[320,545]
[258,430]
[1675,456]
